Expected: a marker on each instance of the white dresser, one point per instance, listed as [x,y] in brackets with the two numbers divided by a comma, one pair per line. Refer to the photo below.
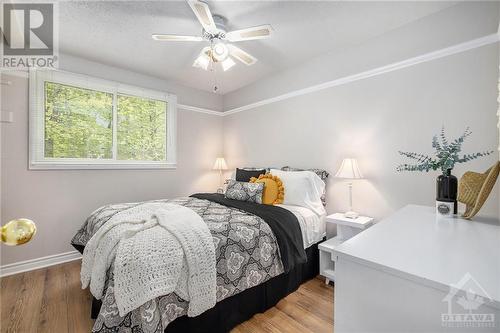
[411,272]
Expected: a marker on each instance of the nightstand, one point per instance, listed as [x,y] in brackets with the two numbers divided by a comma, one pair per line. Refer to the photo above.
[346,228]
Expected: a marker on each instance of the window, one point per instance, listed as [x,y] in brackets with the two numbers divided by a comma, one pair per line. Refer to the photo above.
[79,122]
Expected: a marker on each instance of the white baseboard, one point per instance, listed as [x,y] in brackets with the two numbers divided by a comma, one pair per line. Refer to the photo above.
[32,264]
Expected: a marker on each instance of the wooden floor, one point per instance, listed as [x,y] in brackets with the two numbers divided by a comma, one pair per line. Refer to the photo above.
[51,300]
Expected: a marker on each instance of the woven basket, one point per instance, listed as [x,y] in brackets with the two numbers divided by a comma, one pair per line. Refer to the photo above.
[474,188]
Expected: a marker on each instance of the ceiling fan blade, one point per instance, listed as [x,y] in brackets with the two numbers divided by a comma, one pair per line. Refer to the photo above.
[176,38]
[203,14]
[241,55]
[259,32]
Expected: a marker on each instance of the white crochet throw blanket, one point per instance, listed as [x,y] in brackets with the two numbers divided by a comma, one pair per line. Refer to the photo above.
[157,248]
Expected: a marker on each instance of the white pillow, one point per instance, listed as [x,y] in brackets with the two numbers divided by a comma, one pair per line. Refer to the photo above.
[302,188]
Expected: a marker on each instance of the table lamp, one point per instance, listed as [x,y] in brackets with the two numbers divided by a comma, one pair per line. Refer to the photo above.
[220,164]
[349,170]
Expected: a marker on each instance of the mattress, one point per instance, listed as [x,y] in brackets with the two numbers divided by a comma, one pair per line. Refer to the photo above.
[312,225]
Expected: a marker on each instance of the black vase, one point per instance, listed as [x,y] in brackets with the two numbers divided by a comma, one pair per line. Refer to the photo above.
[446,189]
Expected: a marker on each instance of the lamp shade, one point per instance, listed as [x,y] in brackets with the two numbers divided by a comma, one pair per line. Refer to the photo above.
[349,169]
[220,164]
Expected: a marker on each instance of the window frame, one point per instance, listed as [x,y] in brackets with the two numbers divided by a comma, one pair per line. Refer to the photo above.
[37,159]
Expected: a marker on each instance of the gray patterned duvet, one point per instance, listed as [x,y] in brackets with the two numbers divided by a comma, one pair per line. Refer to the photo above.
[246,251]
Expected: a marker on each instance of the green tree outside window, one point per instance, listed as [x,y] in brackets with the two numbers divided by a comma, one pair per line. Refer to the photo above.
[79,124]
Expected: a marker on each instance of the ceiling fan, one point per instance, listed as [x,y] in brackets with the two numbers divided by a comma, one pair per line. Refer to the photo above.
[214,31]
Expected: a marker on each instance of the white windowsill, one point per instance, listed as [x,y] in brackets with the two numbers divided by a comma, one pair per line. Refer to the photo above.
[99,166]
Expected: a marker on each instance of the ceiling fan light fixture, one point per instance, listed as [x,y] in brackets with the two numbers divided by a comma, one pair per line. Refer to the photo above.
[220,51]
[227,64]
[202,61]
[220,48]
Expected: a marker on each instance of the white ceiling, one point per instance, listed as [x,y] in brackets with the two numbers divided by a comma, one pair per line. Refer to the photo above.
[119,34]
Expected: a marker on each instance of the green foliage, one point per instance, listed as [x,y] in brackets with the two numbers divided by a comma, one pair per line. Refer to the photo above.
[447,154]
[79,124]
[141,129]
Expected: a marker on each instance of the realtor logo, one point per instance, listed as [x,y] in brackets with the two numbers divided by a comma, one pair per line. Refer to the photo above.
[465,305]
[28,35]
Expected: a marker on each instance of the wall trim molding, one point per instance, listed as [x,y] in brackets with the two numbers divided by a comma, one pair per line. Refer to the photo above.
[198,109]
[32,264]
[441,53]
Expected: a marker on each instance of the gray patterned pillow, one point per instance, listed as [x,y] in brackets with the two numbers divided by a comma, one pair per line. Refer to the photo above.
[242,191]
[255,168]
[323,174]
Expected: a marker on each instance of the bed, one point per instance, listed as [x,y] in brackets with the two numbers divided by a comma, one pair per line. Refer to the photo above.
[263,253]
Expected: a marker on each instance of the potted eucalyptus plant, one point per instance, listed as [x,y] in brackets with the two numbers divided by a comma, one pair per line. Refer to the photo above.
[446,156]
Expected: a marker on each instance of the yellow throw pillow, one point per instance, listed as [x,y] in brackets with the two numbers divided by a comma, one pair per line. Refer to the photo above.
[274,192]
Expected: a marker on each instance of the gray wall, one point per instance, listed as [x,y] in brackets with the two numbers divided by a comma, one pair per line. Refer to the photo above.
[59,201]
[371,120]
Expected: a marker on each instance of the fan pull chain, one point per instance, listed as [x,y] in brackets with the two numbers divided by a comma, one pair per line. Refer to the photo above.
[213,68]
[216,87]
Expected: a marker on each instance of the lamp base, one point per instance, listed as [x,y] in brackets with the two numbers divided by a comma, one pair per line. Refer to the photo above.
[351,215]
